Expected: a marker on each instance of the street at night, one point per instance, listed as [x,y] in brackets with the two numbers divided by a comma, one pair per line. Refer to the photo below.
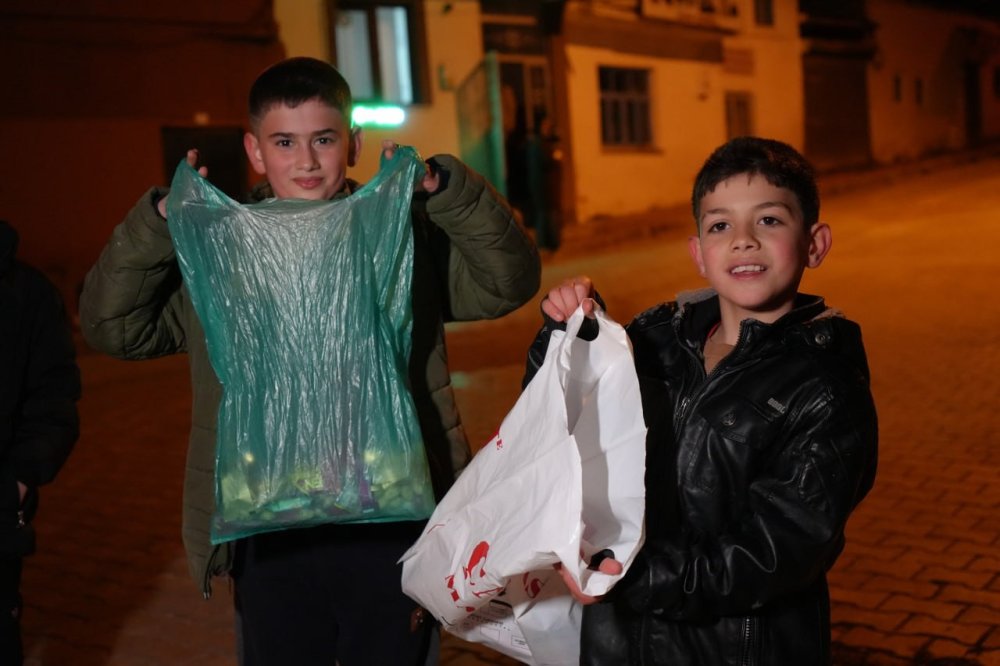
[914,261]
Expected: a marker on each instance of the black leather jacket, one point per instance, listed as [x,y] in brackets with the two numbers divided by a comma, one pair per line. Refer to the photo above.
[751,474]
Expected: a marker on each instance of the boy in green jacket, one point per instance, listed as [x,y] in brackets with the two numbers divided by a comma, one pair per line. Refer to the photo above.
[471,261]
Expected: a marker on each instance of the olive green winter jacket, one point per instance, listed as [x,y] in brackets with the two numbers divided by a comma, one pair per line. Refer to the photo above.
[472,260]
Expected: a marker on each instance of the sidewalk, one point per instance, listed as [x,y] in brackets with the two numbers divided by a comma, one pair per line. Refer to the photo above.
[606,232]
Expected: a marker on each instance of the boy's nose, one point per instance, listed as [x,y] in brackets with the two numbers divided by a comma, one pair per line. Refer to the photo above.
[307,158]
[744,239]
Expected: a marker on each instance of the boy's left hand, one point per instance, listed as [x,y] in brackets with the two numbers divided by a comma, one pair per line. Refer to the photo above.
[608,566]
[431,180]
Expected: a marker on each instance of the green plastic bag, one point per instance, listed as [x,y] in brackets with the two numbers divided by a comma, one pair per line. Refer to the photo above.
[307,315]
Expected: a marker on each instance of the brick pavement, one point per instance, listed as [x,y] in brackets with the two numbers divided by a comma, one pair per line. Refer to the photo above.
[918,582]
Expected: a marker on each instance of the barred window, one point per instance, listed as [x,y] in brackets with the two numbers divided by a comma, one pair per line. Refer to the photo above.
[624,107]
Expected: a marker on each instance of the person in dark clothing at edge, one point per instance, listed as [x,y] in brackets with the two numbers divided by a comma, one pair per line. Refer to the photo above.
[330,593]
[762,433]
[39,423]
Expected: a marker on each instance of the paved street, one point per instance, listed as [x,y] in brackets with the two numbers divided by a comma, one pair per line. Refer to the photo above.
[915,261]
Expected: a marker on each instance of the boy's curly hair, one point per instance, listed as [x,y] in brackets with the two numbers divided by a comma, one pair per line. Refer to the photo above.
[296,80]
[779,163]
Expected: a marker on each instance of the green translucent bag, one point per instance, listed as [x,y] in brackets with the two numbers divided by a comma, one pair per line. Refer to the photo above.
[307,315]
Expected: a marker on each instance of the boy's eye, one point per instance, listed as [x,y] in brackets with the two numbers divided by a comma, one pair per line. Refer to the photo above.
[769,221]
[283,143]
[717,226]
[324,140]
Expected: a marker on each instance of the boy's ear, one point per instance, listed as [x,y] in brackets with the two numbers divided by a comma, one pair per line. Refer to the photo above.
[252,148]
[354,150]
[694,247]
[820,240]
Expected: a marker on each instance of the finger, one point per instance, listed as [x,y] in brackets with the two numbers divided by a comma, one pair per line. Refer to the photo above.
[563,297]
[192,157]
[611,567]
[583,286]
[389,148]
[431,182]
[588,307]
[574,589]
[551,310]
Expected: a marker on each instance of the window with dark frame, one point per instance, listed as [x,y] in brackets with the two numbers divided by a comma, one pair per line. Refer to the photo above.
[739,114]
[379,48]
[625,118]
[763,12]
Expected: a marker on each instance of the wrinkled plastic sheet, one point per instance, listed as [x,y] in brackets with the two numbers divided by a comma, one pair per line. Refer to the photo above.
[307,316]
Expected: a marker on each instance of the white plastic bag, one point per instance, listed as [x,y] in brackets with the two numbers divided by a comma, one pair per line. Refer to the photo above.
[561,480]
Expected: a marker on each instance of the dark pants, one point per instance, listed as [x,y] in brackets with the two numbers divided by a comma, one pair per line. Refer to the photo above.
[11,651]
[325,595]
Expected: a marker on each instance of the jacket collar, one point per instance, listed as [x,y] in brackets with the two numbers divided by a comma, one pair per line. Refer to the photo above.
[698,312]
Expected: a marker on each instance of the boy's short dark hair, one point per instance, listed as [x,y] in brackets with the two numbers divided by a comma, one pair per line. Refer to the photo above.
[779,164]
[296,80]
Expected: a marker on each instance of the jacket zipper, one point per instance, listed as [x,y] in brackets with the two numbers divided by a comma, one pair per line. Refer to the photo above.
[699,362]
[749,641]
[206,587]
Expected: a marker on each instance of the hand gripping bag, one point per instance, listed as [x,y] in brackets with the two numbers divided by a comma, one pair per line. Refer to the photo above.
[561,480]
[307,316]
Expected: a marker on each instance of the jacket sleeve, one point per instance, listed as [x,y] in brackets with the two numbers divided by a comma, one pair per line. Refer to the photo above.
[132,298]
[492,266]
[46,425]
[792,525]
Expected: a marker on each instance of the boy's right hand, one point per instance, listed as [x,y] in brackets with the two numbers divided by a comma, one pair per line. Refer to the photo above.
[430,182]
[563,300]
[192,159]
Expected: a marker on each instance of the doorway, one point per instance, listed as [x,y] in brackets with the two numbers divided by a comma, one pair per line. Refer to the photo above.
[973,104]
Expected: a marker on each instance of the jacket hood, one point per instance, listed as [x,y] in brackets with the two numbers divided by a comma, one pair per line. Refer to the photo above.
[8,246]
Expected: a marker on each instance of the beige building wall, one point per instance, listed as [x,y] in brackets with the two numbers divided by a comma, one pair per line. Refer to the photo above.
[688,109]
[454,49]
[613,181]
[930,46]
[766,61]
[302,27]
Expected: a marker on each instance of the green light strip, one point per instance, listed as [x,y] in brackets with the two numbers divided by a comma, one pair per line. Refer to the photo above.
[383,115]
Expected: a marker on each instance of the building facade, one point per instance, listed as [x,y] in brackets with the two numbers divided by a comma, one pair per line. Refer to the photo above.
[577,109]
[934,77]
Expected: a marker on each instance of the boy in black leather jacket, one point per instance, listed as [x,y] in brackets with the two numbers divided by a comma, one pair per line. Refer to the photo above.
[762,433]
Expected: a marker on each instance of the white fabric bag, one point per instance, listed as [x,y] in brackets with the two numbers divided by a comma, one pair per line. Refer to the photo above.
[561,480]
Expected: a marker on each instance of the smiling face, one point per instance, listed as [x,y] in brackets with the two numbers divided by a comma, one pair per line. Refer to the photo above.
[753,247]
[304,151]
